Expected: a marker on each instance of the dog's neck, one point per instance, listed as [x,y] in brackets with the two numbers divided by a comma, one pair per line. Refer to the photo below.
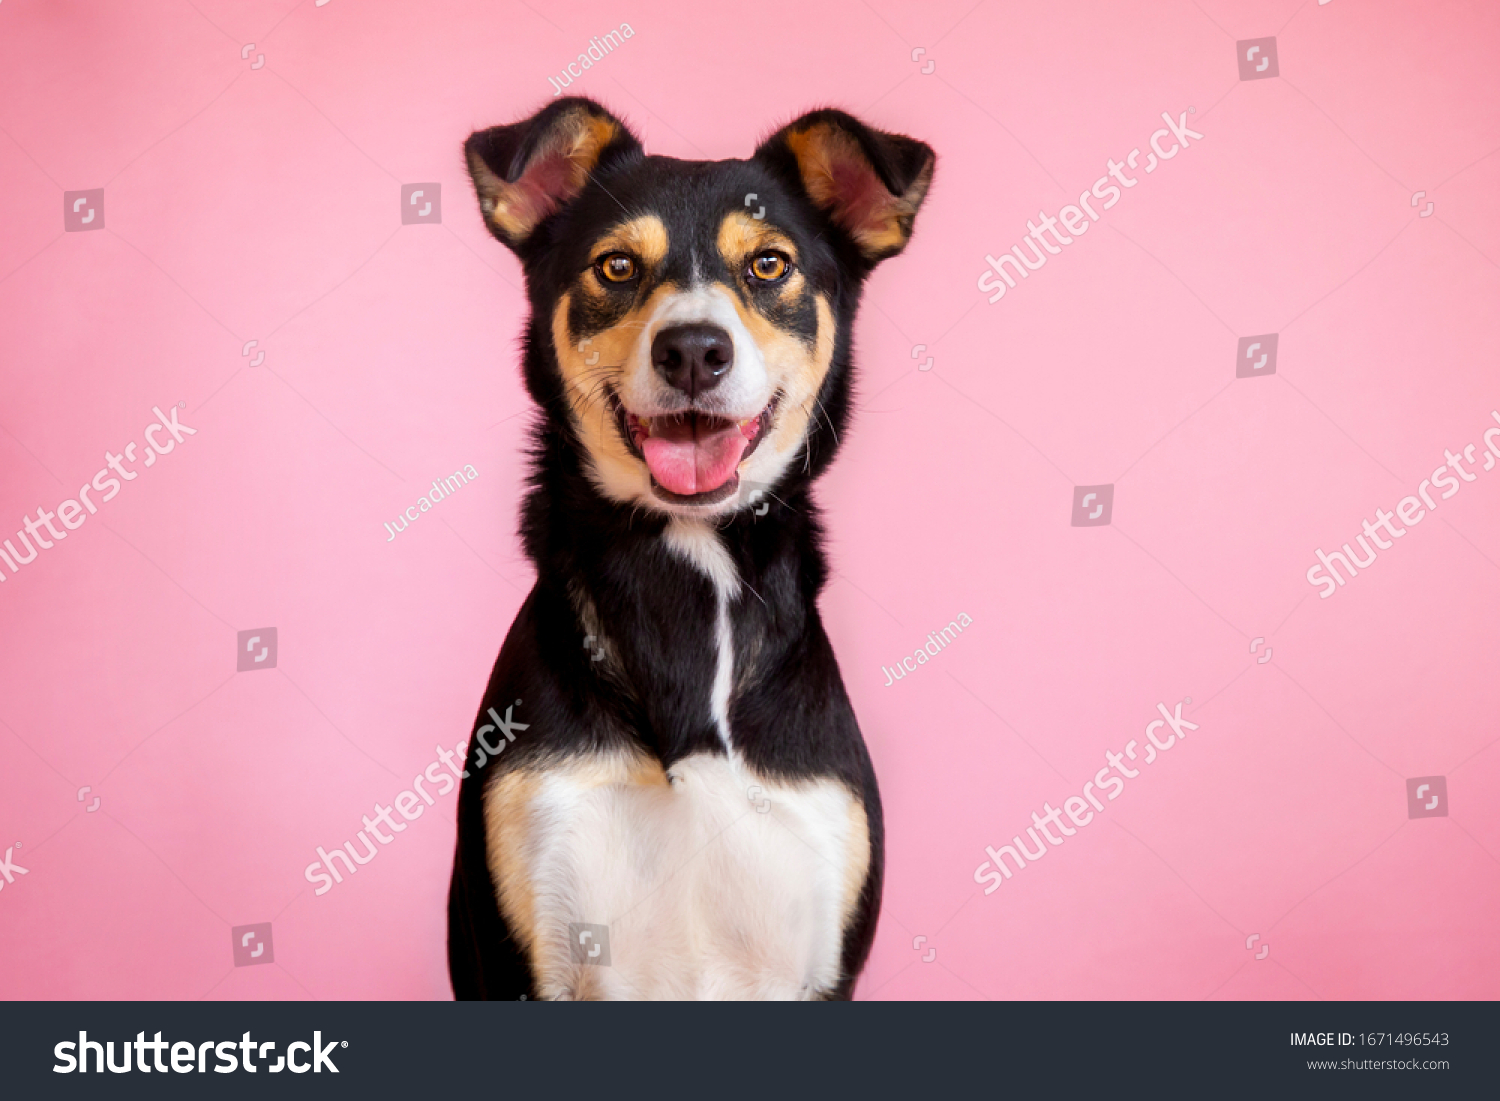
[681,613]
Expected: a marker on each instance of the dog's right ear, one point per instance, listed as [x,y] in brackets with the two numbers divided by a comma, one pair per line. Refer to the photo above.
[868,182]
[525,172]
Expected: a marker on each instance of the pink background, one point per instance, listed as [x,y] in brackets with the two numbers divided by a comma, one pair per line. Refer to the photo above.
[245,203]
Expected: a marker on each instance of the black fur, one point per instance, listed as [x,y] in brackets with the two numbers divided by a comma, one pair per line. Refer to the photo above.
[790,715]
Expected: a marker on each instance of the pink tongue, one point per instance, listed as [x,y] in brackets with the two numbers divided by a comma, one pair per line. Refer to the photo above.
[687,458]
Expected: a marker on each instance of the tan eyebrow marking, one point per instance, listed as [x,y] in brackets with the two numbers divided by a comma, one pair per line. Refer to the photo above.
[741,236]
[645,237]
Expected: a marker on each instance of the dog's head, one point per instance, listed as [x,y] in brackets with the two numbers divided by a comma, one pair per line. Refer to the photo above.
[690,319]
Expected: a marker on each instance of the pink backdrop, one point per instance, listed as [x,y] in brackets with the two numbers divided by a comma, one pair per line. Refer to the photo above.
[257,194]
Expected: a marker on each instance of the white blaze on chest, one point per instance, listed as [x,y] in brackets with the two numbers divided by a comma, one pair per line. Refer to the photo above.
[698,544]
[711,884]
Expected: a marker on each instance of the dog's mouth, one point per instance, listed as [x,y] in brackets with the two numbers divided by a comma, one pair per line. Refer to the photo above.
[693,457]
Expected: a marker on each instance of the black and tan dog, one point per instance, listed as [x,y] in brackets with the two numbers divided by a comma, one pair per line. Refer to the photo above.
[667,795]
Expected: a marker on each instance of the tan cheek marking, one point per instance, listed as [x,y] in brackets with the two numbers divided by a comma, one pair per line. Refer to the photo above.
[785,353]
[586,369]
[590,360]
[586,366]
[601,355]
[507,803]
[800,378]
[795,369]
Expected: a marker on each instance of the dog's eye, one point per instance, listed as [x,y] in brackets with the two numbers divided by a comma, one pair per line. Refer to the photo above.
[616,268]
[769,267]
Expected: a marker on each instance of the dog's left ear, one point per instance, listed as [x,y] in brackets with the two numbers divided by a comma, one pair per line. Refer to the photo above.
[528,171]
[868,182]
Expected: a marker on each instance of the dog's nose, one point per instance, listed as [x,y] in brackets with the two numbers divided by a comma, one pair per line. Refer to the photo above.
[692,358]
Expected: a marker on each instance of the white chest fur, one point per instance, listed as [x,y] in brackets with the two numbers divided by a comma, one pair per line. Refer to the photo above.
[708,884]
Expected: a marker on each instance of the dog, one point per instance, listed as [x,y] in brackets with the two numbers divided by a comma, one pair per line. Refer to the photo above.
[667,794]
